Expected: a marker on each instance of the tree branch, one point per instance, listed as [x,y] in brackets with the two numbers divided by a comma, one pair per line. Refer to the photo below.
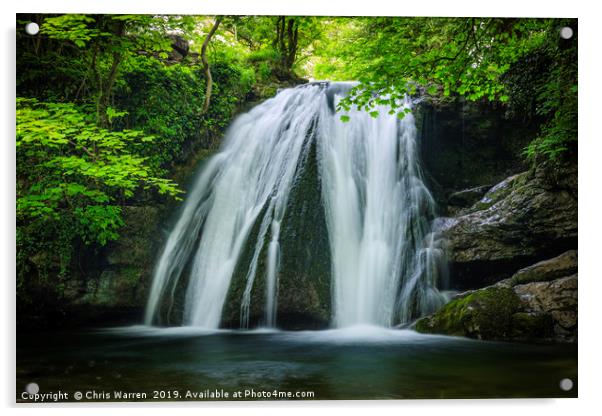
[205,62]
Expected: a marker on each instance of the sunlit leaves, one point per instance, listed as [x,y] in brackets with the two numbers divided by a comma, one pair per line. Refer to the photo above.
[69,167]
[72,27]
[464,56]
[450,57]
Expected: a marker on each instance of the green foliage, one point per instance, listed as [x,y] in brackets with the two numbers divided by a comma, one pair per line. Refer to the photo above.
[557,102]
[71,27]
[72,178]
[464,56]
[166,102]
[280,46]
[519,62]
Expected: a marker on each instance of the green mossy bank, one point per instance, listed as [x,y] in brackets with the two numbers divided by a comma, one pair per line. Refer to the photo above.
[538,303]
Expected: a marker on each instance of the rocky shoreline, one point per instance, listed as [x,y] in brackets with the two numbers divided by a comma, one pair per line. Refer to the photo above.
[512,253]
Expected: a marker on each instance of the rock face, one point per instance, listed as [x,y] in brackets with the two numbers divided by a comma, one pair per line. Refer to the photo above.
[466,198]
[557,299]
[119,286]
[563,265]
[537,303]
[467,145]
[304,283]
[180,48]
[523,219]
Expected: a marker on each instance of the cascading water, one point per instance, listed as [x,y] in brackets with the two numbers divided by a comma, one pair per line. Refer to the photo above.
[386,262]
[378,211]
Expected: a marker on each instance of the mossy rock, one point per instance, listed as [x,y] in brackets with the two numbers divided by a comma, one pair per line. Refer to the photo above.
[501,191]
[482,314]
[304,284]
[529,326]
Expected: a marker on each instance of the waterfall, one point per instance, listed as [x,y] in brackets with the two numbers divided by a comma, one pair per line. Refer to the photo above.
[386,261]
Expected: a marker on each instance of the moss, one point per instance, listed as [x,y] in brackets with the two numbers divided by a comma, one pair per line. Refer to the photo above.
[183,173]
[500,192]
[531,278]
[130,275]
[532,326]
[483,314]
[304,272]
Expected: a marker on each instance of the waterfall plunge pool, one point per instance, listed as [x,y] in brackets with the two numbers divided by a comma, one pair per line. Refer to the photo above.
[360,362]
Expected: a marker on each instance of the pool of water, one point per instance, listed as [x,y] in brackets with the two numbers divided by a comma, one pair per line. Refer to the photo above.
[354,363]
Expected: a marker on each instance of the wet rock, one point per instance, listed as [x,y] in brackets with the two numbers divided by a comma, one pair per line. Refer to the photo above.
[304,283]
[481,314]
[539,310]
[525,218]
[468,197]
[468,144]
[134,247]
[121,281]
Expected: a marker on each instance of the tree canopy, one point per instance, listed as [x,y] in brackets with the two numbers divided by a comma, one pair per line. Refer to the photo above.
[473,58]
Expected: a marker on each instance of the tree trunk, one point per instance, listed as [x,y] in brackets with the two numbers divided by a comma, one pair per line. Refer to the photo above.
[209,87]
[292,32]
[106,86]
[287,32]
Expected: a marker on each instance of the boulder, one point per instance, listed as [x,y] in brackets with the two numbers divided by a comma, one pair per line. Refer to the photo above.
[557,299]
[546,270]
[482,314]
[541,308]
[180,47]
[525,218]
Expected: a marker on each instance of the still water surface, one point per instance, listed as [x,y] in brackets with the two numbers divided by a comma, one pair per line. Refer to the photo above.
[355,363]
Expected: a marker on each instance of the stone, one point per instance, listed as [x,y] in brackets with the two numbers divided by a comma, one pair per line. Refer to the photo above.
[546,270]
[523,219]
[137,238]
[480,314]
[544,309]
[557,299]
[180,46]
[120,282]
[468,197]
[304,283]
[468,144]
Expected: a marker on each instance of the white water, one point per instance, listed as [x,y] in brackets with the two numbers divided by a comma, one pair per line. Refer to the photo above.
[377,210]
[385,261]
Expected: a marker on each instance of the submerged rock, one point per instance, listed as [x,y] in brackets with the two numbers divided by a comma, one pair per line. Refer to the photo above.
[535,304]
